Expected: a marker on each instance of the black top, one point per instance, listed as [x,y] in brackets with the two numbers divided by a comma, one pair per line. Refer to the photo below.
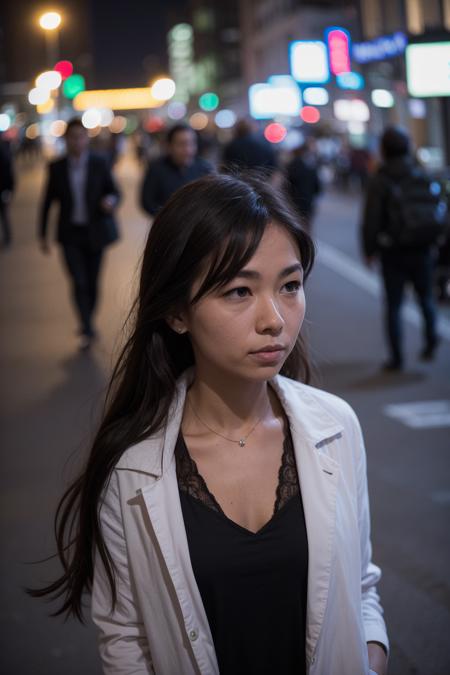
[253,585]
[163,178]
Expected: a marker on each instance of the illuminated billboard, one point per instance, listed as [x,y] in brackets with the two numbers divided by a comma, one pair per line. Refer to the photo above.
[309,61]
[428,69]
[276,97]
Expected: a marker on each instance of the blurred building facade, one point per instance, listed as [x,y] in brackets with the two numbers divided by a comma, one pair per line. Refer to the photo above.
[269,26]
[427,119]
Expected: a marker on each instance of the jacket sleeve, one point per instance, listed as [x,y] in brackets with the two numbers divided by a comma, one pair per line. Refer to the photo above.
[49,196]
[149,191]
[373,215]
[372,611]
[123,643]
[109,185]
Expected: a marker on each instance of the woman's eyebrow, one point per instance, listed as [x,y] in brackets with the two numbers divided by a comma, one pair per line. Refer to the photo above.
[253,274]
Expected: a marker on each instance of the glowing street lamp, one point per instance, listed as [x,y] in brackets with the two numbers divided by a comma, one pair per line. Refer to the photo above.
[50,23]
[50,20]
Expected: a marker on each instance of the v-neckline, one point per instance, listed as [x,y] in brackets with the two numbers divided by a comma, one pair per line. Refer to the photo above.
[218,509]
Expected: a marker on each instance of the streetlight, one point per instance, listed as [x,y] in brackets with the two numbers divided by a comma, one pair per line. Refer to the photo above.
[50,22]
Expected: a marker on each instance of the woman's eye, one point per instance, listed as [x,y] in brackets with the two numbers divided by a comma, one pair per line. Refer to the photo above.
[292,286]
[240,292]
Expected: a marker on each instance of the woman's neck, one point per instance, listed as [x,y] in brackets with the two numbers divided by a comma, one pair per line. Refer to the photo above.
[226,403]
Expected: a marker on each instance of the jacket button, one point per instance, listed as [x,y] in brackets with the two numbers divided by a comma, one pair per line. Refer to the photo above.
[193,635]
[313,660]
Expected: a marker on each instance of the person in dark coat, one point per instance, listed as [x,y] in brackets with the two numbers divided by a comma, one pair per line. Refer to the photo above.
[180,165]
[6,190]
[82,184]
[248,150]
[400,264]
[303,184]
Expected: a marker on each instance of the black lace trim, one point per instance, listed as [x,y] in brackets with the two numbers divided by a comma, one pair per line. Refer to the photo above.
[192,483]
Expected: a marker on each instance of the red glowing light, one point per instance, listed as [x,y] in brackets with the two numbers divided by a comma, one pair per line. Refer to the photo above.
[339,50]
[64,68]
[154,124]
[275,133]
[310,114]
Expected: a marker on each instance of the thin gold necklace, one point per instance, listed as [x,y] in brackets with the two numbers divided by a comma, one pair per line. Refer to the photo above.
[242,441]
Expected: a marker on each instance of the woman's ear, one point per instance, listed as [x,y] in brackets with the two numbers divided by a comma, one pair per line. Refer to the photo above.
[177,324]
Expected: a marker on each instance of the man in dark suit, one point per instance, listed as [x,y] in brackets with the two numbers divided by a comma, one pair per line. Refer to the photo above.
[83,186]
[178,166]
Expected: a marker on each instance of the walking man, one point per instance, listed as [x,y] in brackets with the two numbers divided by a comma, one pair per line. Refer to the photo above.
[82,184]
[404,216]
[180,165]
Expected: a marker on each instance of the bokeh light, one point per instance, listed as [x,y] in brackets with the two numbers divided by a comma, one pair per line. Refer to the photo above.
[32,131]
[73,86]
[225,119]
[118,124]
[154,124]
[50,20]
[91,118]
[176,110]
[163,89]
[5,122]
[50,79]
[198,121]
[58,128]
[316,96]
[106,117]
[382,98]
[64,68]
[208,101]
[38,96]
[275,133]
[45,108]
[310,114]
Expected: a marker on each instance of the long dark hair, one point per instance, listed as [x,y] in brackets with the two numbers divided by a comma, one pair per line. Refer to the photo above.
[218,220]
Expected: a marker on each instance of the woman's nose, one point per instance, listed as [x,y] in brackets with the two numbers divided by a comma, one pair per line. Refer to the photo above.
[269,318]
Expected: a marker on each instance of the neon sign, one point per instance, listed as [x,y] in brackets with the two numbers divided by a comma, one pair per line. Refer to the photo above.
[338,40]
[381,48]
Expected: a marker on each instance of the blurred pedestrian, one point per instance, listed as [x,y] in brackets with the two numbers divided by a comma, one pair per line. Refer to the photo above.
[303,183]
[404,218]
[223,516]
[6,191]
[82,184]
[248,150]
[180,165]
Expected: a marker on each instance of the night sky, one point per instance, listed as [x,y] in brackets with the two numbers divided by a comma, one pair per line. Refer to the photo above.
[113,44]
[130,43]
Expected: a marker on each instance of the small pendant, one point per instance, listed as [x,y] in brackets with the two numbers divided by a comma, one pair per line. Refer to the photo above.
[242,442]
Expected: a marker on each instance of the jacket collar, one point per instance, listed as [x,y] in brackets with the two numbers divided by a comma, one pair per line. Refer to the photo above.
[306,415]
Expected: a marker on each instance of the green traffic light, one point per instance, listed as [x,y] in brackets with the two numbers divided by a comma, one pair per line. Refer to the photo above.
[73,86]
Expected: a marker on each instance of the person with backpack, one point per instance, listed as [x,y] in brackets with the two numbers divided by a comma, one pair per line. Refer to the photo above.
[404,218]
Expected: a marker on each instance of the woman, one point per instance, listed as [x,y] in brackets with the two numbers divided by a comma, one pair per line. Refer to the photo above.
[222,521]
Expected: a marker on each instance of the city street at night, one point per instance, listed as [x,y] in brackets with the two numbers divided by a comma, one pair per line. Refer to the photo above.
[50,393]
[175,499]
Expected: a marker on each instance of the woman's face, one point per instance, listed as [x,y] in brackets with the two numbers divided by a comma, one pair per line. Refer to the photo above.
[248,328]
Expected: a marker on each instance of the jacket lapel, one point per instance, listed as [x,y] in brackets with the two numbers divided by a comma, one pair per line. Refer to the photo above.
[311,428]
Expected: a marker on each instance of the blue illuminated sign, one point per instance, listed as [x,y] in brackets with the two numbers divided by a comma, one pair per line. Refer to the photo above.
[386,47]
[352,81]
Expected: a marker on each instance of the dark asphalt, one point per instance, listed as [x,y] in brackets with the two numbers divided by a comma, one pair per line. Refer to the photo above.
[51,394]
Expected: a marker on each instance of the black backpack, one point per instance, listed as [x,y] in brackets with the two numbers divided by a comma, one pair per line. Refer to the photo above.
[417,213]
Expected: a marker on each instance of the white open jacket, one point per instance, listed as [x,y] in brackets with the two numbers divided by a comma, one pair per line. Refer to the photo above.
[159,624]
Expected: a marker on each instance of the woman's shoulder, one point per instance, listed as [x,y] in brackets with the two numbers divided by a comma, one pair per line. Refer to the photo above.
[316,401]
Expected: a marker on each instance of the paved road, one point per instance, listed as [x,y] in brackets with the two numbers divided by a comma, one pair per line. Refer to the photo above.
[50,397]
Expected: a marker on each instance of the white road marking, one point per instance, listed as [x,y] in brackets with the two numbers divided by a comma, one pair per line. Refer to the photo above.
[420,414]
[353,271]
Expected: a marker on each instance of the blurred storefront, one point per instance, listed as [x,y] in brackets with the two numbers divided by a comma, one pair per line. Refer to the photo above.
[389,28]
